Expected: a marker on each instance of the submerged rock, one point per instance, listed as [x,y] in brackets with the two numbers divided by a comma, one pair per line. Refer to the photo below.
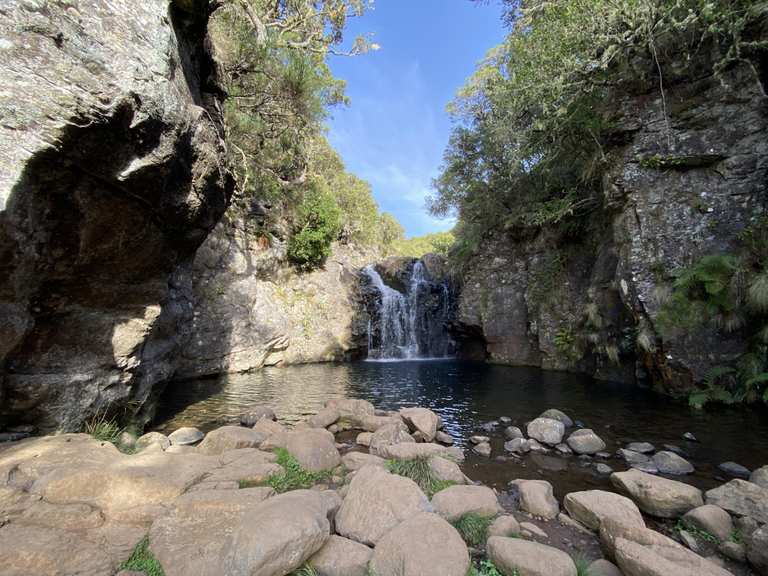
[735,470]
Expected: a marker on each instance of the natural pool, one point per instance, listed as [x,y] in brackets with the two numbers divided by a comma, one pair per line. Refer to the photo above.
[468,394]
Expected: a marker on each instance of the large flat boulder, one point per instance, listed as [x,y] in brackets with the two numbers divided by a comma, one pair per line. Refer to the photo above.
[423,544]
[230,438]
[742,498]
[658,496]
[376,502]
[592,507]
[516,556]
[341,557]
[455,501]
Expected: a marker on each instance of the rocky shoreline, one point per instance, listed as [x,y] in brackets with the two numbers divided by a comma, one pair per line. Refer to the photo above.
[354,491]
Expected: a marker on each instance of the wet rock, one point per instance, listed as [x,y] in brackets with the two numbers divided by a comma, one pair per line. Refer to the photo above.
[341,557]
[690,437]
[489,427]
[376,502]
[534,446]
[357,460]
[555,414]
[389,435]
[592,507]
[421,420]
[479,439]
[505,420]
[603,469]
[735,470]
[603,567]
[512,555]
[671,463]
[518,446]
[546,430]
[646,467]
[760,477]
[186,436]
[742,498]
[364,438]
[256,413]
[324,418]
[505,525]
[537,498]
[314,449]
[658,496]
[651,560]
[641,447]
[423,544]
[513,432]
[456,501]
[443,438]
[151,438]
[757,550]
[632,457]
[484,449]
[230,438]
[585,441]
[446,470]
[711,519]
[564,449]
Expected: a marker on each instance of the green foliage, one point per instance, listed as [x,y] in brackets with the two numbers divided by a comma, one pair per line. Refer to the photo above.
[567,344]
[473,528]
[534,122]
[142,560]
[305,570]
[437,243]
[293,476]
[319,222]
[697,533]
[103,429]
[390,232]
[487,568]
[420,472]
[582,565]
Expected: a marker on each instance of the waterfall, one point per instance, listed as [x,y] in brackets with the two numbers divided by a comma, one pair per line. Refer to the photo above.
[409,325]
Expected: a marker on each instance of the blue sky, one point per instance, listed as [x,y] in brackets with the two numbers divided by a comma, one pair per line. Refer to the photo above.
[395,130]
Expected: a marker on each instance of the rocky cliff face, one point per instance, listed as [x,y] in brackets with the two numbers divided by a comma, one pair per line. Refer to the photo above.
[252,308]
[525,298]
[111,175]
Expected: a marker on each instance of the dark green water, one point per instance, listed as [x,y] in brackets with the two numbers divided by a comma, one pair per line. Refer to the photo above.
[469,394]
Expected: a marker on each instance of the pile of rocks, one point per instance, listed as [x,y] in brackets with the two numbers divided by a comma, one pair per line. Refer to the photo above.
[73,505]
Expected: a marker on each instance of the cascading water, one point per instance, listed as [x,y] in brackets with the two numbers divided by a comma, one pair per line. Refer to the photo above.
[409,325]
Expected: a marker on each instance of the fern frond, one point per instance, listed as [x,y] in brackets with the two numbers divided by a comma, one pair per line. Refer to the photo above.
[757,294]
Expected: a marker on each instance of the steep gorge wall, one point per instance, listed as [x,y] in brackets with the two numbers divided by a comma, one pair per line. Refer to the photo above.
[528,297]
[112,174]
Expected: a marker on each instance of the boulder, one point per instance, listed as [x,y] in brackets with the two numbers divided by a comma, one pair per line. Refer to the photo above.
[357,460]
[230,438]
[341,557]
[455,501]
[256,413]
[592,507]
[613,529]
[484,449]
[351,411]
[324,418]
[389,435]
[505,525]
[517,446]
[735,470]
[546,430]
[603,567]
[555,414]
[641,447]
[421,420]
[657,496]
[245,464]
[376,502]
[443,438]
[269,427]
[632,457]
[186,436]
[636,559]
[537,498]
[479,439]
[742,498]
[515,556]
[423,544]
[757,550]
[711,519]
[275,537]
[364,438]
[760,477]
[736,551]
[585,441]
[194,538]
[446,470]
[412,451]
[513,432]
[315,449]
[152,438]
[671,463]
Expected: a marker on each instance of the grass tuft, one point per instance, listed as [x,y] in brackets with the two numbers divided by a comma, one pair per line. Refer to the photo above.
[306,570]
[103,429]
[697,533]
[293,476]
[419,471]
[487,568]
[582,565]
[142,560]
[473,528]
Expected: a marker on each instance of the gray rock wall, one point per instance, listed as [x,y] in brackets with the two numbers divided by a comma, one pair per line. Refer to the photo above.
[523,295]
[111,175]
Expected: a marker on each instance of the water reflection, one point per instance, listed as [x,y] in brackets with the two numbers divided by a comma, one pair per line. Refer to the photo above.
[468,394]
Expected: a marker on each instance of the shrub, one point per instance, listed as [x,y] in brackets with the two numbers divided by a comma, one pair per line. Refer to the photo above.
[142,560]
[319,222]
